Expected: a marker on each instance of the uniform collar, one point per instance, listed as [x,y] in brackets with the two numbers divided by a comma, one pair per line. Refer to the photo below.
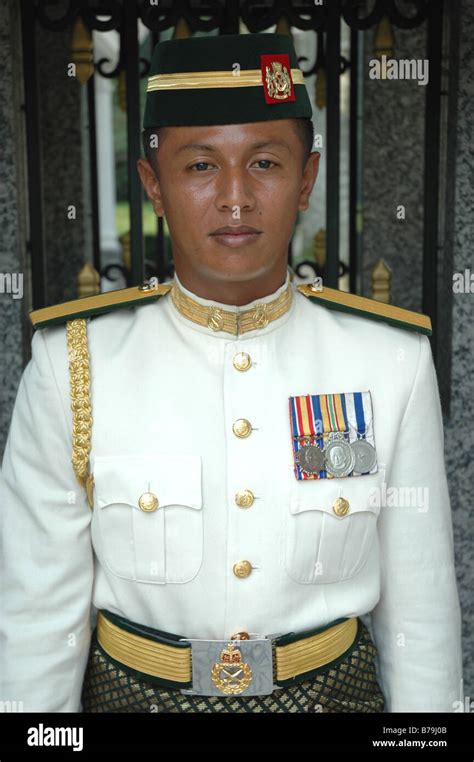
[219,318]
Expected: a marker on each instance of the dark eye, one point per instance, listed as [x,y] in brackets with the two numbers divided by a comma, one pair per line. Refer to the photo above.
[264,161]
[200,164]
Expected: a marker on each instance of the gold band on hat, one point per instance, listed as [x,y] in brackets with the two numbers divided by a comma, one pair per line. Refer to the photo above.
[194,80]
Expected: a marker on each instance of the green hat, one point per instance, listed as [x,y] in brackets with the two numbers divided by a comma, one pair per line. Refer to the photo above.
[229,79]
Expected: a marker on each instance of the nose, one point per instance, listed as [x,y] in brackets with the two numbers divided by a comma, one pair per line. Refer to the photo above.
[233,190]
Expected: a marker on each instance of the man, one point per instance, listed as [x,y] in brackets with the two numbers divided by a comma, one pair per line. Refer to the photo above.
[263,522]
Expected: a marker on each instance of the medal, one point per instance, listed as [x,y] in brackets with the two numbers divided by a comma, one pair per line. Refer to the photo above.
[326,420]
[310,459]
[340,457]
[365,456]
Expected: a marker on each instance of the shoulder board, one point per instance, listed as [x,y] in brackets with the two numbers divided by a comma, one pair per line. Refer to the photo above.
[368,308]
[98,304]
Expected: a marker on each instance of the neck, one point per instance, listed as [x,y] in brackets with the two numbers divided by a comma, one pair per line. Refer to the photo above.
[235,293]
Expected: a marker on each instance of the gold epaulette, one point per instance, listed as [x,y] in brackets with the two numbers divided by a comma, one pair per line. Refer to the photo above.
[95,305]
[368,308]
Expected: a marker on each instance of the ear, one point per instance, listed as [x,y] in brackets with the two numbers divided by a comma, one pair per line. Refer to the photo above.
[151,185]
[310,174]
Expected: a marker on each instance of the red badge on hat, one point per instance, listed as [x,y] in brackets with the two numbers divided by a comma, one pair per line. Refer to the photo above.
[276,78]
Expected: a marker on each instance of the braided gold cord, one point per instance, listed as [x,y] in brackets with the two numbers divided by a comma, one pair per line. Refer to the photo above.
[81,406]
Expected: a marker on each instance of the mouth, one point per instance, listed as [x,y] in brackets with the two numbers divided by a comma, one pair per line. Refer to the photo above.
[235,236]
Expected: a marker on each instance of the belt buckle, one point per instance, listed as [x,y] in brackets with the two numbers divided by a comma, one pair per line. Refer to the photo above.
[232,667]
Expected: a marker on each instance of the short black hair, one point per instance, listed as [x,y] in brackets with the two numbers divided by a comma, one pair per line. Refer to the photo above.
[304,128]
[150,152]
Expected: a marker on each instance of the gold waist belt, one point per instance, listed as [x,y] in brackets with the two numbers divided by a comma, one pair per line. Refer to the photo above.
[166,658]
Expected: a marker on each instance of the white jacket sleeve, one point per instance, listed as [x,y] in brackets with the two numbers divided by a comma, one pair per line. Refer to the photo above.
[46,567]
[417,621]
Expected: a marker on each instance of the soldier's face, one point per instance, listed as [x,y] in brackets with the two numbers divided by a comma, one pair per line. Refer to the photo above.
[251,175]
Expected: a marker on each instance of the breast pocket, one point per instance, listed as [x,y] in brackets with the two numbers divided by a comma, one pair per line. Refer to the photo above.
[331,527]
[149,514]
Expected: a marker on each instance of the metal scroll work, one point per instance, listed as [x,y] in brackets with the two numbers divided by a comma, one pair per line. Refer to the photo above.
[81,404]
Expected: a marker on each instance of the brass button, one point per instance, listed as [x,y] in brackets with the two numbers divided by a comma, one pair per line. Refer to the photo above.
[242,568]
[244,498]
[148,502]
[240,636]
[242,361]
[341,506]
[242,428]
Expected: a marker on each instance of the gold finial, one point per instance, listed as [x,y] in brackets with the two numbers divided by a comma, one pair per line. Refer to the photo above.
[283,26]
[126,250]
[384,39]
[320,247]
[88,281]
[320,89]
[382,282]
[182,29]
[82,51]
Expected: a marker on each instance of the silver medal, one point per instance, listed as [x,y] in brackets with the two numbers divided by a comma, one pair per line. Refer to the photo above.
[340,458]
[310,459]
[365,456]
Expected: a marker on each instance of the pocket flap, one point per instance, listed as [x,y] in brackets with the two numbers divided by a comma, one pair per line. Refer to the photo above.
[363,493]
[174,479]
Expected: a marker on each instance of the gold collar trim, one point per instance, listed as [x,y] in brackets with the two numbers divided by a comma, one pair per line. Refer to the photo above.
[219,319]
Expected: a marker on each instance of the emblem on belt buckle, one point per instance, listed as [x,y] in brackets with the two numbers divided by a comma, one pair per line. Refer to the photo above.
[231,667]
[231,674]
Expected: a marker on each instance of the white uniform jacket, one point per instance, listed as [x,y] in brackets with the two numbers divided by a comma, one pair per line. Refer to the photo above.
[165,395]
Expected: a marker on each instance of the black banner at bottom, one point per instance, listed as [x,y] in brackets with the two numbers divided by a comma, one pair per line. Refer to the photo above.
[76,736]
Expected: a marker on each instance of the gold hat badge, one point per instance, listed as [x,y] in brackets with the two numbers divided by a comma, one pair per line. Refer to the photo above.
[278,81]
